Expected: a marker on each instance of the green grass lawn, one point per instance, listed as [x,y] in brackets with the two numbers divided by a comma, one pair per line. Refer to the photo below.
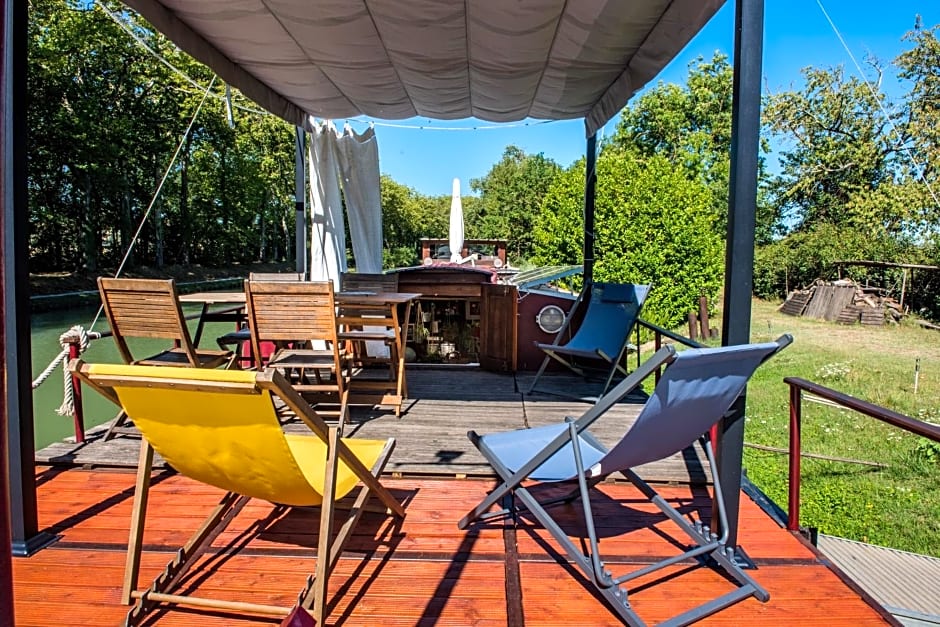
[896,505]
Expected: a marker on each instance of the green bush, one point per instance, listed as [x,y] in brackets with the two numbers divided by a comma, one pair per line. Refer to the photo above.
[653,225]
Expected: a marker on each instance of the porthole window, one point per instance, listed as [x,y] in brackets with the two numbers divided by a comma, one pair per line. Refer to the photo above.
[550,318]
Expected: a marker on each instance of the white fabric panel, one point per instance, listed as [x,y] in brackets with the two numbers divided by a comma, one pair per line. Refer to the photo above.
[327,232]
[497,60]
[455,229]
[358,158]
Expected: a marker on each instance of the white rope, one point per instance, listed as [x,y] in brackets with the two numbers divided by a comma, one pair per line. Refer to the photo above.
[156,194]
[75,335]
[429,127]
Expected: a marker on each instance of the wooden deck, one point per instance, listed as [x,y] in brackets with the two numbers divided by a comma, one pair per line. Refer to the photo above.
[423,572]
[431,436]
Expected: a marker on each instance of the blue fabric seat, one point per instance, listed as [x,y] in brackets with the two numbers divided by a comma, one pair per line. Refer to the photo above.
[604,334]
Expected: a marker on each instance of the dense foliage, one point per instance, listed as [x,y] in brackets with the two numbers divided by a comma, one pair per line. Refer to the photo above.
[857,177]
[654,224]
[511,196]
[105,118]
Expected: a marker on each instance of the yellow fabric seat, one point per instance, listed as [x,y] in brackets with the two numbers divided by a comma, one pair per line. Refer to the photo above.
[220,427]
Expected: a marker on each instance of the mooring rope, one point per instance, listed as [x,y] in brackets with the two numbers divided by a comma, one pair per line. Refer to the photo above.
[75,335]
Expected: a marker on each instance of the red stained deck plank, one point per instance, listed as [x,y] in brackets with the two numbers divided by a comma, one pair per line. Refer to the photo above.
[423,571]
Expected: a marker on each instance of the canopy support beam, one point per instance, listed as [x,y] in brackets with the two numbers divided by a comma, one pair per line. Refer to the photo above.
[739,253]
[300,202]
[590,193]
[16,404]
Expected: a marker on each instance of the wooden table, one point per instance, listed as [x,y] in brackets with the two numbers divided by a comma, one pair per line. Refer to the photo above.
[390,392]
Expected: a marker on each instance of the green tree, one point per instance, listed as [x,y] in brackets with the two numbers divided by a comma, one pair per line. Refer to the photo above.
[105,119]
[836,143]
[511,195]
[691,126]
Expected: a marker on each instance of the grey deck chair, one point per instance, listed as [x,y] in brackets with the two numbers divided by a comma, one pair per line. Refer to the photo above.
[696,389]
[604,334]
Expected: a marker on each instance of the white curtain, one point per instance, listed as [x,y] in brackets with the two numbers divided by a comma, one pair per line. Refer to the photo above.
[358,157]
[352,159]
[328,236]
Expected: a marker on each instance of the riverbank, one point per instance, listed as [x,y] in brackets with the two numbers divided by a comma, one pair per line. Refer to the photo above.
[60,290]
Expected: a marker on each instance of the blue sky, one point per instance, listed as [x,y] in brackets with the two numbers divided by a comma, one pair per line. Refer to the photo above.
[796,34]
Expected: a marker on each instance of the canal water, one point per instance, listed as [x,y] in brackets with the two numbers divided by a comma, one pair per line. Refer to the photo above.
[45,331]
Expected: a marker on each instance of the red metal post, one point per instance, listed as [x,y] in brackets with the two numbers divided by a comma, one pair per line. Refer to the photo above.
[793,502]
[78,414]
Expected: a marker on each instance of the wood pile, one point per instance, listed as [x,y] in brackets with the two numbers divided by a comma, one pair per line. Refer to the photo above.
[843,301]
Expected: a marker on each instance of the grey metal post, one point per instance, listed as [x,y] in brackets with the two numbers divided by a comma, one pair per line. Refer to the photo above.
[300,203]
[6,562]
[590,192]
[16,398]
[739,255]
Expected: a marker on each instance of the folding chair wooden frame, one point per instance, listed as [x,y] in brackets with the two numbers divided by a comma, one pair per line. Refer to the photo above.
[257,459]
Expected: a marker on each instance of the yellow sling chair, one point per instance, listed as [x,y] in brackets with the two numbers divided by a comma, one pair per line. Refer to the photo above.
[220,427]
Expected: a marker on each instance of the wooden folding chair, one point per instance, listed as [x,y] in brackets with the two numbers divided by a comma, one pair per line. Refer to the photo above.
[220,427]
[150,308]
[296,317]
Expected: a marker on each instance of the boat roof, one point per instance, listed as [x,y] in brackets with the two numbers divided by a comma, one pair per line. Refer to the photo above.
[493,60]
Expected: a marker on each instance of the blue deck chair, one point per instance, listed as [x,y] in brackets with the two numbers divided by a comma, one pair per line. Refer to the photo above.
[604,334]
[696,389]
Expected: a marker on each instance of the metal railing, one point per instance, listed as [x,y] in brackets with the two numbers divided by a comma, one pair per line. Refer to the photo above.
[797,387]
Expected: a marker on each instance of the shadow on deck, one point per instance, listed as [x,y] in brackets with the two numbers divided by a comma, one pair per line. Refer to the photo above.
[431,435]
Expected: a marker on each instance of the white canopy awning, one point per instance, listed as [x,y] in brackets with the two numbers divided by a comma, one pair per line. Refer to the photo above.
[496,60]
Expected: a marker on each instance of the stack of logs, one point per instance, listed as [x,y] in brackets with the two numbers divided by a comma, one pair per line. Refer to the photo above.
[843,301]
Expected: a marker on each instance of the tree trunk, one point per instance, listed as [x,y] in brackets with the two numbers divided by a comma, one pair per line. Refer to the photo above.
[263,221]
[127,221]
[89,231]
[185,226]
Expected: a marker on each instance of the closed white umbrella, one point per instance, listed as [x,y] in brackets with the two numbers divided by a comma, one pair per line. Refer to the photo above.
[455,235]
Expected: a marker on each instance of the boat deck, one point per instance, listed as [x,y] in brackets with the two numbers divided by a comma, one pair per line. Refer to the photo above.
[424,571]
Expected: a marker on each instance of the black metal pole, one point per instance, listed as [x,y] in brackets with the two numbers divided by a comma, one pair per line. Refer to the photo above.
[739,254]
[17,383]
[590,191]
[6,554]
[300,203]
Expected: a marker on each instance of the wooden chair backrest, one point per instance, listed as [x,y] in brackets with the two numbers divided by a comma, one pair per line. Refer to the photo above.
[145,308]
[365,282]
[276,276]
[289,311]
